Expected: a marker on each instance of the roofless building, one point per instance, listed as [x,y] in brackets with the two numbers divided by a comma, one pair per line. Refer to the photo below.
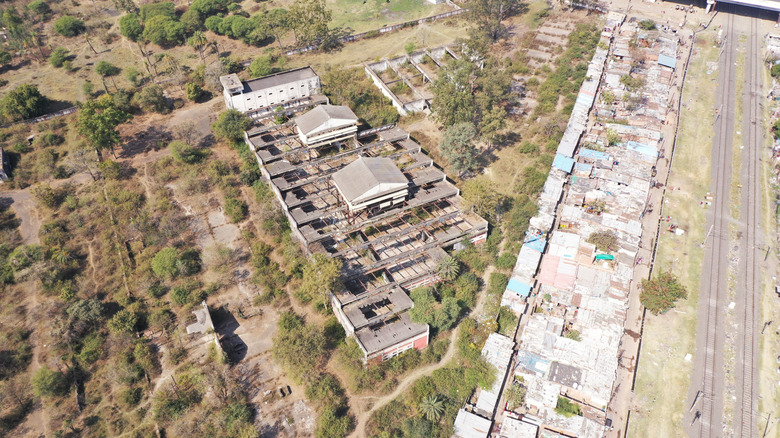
[378,203]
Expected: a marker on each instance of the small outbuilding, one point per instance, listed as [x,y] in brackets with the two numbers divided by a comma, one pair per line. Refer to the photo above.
[369,182]
[326,124]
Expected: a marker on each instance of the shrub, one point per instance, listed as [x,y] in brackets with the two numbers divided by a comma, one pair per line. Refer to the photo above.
[185,153]
[528,148]
[58,57]
[566,408]
[506,261]
[180,296]
[69,26]
[39,7]
[231,125]
[236,209]
[47,382]
[130,396]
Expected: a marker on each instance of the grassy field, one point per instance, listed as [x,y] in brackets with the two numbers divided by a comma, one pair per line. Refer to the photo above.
[364,15]
[663,374]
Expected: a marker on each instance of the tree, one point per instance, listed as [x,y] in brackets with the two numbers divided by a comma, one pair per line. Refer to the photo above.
[131,27]
[431,407]
[332,425]
[231,125]
[261,66]
[106,69]
[123,321]
[457,147]
[482,198]
[164,31]
[321,276]
[194,91]
[152,99]
[88,311]
[448,269]
[198,41]
[515,395]
[487,15]
[453,99]
[659,294]
[647,24]
[613,138]
[127,6]
[192,21]
[39,8]
[97,122]
[150,10]
[605,241]
[46,382]
[309,21]
[79,160]
[166,263]
[69,26]
[23,102]
[279,23]
[58,57]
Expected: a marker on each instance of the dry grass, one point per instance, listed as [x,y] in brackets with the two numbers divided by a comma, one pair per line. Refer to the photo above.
[663,375]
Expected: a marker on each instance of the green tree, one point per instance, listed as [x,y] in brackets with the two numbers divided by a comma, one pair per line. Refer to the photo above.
[46,382]
[231,125]
[605,241]
[164,31]
[131,27]
[199,42]
[97,122]
[88,311]
[279,24]
[166,263]
[123,321]
[194,91]
[448,269]
[69,26]
[515,395]
[321,276]
[298,347]
[23,102]
[309,21]
[659,294]
[457,147]
[453,99]
[332,425]
[165,9]
[482,198]
[152,99]
[105,68]
[39,8]
[58,56]
[488,15]
[192,21]
[431,407]
[261,66]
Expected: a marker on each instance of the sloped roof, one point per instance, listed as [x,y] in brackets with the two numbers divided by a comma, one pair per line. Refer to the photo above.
[325,117]
[366,177]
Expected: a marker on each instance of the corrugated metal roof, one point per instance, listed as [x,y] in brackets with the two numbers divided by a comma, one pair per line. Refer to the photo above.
[368,174]
[321,115]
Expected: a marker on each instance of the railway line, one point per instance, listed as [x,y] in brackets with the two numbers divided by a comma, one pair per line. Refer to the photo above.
[708,385]
[706,421]
[749,278]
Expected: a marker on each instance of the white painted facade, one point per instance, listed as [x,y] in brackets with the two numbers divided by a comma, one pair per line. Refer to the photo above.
[269,91]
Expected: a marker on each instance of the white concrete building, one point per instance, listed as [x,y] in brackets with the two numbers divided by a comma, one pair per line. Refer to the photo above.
[278,89]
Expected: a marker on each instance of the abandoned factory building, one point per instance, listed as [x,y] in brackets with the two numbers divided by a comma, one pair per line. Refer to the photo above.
[374,200]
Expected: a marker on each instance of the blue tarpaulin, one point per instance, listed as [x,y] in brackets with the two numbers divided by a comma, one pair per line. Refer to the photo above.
[642,148]
[519,287]
[667,61]
[582,167]
[563,163]
[536,244]
[593,155]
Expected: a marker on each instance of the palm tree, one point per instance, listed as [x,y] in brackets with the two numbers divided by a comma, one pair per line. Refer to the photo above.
[431,407]
[198,41]
[448,268]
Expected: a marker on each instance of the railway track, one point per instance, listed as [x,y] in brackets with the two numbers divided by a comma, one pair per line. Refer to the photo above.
[713,285]
[749,289]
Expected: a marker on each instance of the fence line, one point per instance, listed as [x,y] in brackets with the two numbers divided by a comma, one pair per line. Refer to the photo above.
[62,112]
